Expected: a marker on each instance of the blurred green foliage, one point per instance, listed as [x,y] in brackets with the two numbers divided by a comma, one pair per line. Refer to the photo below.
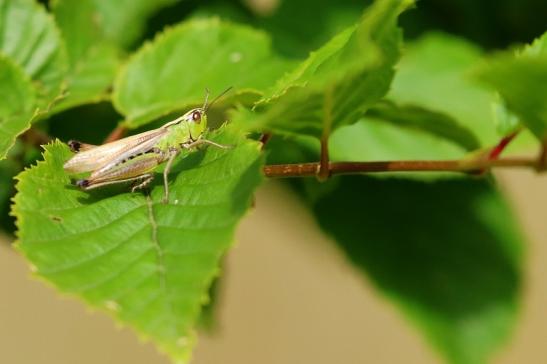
[444,248]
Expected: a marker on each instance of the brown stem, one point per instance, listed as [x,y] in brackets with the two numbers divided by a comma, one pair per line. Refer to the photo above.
[542,157]
[323,171]
[463,166]
[35,137]
[264,139]
[116,134]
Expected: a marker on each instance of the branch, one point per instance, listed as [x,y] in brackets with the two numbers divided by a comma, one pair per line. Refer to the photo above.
[35,137]
[116,134]
[462,166]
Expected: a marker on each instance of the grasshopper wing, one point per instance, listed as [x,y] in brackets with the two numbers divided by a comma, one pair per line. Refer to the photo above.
[103,156]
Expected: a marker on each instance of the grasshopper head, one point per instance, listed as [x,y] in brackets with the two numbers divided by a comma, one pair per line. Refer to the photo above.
[192,124]
[197,122]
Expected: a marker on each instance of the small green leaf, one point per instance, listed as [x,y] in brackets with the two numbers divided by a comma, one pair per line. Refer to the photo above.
[93,60]
[174,70]
[17,102]
[447,253]
[147,263]
[538,48]
[521,81]
[29,36]
[338,82]
[506,122]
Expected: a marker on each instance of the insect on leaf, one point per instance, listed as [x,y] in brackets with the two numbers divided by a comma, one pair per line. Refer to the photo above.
[147,263]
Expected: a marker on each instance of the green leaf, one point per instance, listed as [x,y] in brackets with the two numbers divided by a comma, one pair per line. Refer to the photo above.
[29,36]
[147,263]
[17,100]
[297,27]
[538,48]
[506,122]
[391,132]
[93,60]
[124,21]
[8,170]
[521,81]
[433,74]
[338,82]
[174,70]
[447,253]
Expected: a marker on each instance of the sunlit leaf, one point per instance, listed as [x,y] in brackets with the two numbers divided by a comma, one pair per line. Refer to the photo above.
[93,60]
[521,80]
[147,263]
[339,81]
[29,37]
[433,74]
[17,102]
[389,132]
[174,70]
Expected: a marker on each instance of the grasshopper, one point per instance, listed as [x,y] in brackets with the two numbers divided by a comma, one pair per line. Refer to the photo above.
[134,158]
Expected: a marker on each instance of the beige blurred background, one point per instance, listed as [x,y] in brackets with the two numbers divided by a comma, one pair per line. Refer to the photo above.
[289,298]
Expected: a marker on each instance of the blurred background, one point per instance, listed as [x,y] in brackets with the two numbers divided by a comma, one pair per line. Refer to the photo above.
[289,295]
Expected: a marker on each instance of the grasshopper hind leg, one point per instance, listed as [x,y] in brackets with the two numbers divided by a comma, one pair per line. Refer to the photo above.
[143,182]
[139,182]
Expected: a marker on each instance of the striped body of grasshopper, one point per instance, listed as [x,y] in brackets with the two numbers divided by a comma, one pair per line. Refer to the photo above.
[134,159]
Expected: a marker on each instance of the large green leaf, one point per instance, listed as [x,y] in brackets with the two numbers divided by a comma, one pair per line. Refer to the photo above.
[93,59]
[33,63]
[521,80]
[338,82]
[29,36]
[17,100]
[149,264]
[447,253]
[174,70]
[434,73]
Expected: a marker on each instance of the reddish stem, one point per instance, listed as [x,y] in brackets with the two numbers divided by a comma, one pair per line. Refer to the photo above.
[500,147]
[116,134]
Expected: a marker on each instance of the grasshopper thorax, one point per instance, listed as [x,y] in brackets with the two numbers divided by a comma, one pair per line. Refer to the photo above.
[190,125]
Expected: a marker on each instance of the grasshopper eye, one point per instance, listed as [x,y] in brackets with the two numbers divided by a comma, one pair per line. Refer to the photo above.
[196,116]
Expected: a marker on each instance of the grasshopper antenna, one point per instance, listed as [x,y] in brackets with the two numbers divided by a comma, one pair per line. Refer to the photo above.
[206,105]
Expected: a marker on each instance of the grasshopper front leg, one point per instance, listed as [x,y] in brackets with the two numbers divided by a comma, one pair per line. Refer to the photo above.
[204,141]
[173,153]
